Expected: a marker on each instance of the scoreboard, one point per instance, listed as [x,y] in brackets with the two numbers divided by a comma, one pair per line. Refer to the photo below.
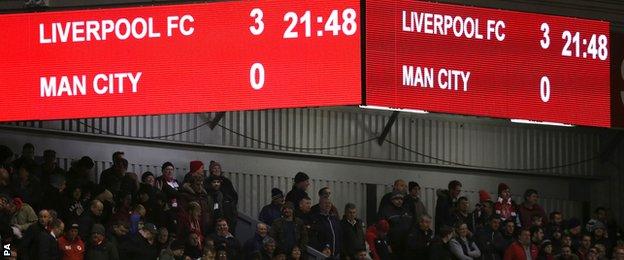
[485,62]
[244,55]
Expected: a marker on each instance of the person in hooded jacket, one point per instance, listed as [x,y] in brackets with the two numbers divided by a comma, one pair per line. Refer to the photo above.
[221,205]
[214,170]
[447,199]
[299,189]
[400,220]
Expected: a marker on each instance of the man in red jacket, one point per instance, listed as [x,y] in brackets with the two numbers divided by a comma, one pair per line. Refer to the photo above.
[70,245]
[522,249]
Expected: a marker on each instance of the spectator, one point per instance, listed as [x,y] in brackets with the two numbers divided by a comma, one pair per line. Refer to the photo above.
[192,222]
[521,249]
[196,168]
[505,206]
[419,239]
[90,218]
[271,212]
[413,203]
[445,204]
[226,184]
[22,214]
[325,192]
[599,219]
[400,220]
[377,239]
[566,254]
[462,246]
[111,180]
[575,232]
[167,181]
[79,174]
[48,241]
[600,237]
[298,191]
[556,223]
[352,232]
[173,252]
[537,221]
[142,245]
[490,240]
[222,237]
[118,233]
[118,155]
[73,206]
[304,211]
[289,231]
[537,235]
[509,233]
[268,248]
[221,205]
[193,246]
[327,229]
[31,238]
[546,251]
[148,178]
[100,248]
[461,215]
[53,193]
[5,181]
[482,215]
[586,243]
[193,190]
[254,244]
[295,253]
[71,245]
[440,249]
[26,186]
[398,186]
[530,208]
[28,155]
[136,216]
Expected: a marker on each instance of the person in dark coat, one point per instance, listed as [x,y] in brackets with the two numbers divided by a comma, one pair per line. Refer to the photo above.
[419,239]
[214,170]
[445,204]
[91,217]
[398,186]
[254,244]
[31,238]
[111,180]
[48,242]
[273,211]
[28,155]
[119,232]
[413,203]
[440,245]
[193,191]
[223,238]
[327,229]
[508,232]
[53,193]
[400,221]
[142,246]
[221,205]
[298,191]
[167,182]
[460,214]
[79,175]
[324,192]
[289,231]
[100,248]
[491,241]
[352,232]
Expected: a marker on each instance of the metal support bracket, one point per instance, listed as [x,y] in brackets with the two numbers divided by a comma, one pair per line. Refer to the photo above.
[388,127]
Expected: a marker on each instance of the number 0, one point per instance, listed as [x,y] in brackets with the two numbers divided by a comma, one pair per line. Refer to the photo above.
[256,76]
[545,89]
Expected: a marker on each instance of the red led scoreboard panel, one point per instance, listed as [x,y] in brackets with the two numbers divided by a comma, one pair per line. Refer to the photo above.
[180,58]
[485,62]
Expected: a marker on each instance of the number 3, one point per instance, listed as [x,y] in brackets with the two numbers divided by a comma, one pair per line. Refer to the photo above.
[257,14]
[546,41]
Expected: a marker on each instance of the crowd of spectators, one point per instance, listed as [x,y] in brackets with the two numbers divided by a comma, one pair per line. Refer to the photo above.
[47,212]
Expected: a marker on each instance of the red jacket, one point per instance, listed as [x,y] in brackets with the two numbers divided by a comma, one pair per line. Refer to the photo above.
[515,251]
[71,250]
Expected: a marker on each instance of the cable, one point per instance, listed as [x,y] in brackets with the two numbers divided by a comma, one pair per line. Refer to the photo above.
[150,137]
[493,168]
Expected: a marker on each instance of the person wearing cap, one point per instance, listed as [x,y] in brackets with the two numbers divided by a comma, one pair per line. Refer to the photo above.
[546,251]
[400,220]
[221,205]
[575,232]
[599,236]
[505,206]
[167,182]
[299,189]
[599,218]
[398,186]
[288,231]
[490,240]
[22,214]
[100,248]
[271,212]
[413,203]
[376,238]
[193,190]
[214,170]
[142,246]
[530,207]
[195,168]
[71,245]
[324,192]
[174,252]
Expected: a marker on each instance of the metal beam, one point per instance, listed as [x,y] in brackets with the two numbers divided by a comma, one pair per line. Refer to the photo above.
[215,121]
[387,128]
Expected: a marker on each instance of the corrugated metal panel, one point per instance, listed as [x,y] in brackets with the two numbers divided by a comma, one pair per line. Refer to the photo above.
[304,130]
